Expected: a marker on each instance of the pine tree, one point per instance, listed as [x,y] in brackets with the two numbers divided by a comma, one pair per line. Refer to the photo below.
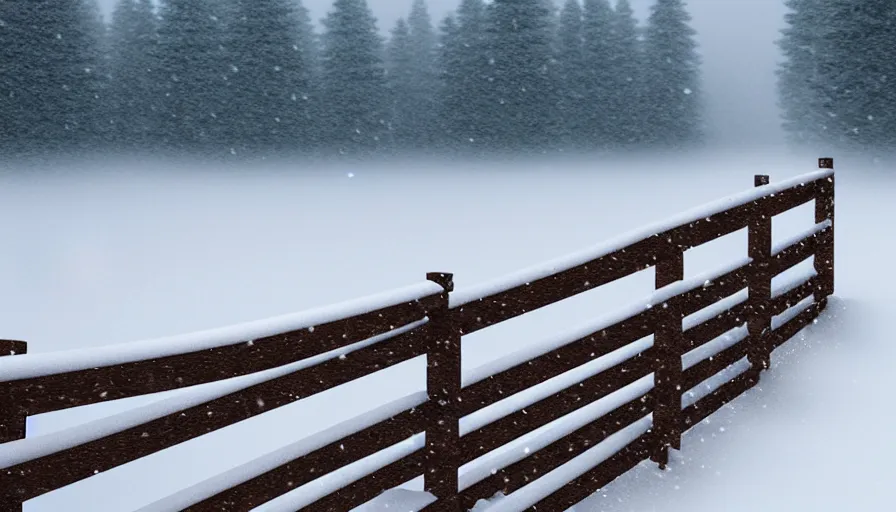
[855,64]
[672,74]
[193,73]
[413,81]
[571,75]
[885,113]
[598,23]
[269,77]
[353,80]
[50,75]
[800,86]
[133,100]
[835,81]
[623,103]
[400,71]
[464,71]
[310,46]
[521,93]
[424,84]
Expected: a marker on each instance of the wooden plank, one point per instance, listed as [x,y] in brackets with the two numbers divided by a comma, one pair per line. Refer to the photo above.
[757,312]
[12,425]
[709,404]
[503,306]
[787,199]
[12,414]
[709,367]
[792,297]
[720,288]
[287,477]
[711,228]
[798,252]
[75,389]
[796,324]
[556,362]
[558,453]
[516,301]
[824,258]
[371,486]
[667,363]
[13,348]
[711,329]
[512,426]
[48,473]
[508,304]
[596,478]
[442,456]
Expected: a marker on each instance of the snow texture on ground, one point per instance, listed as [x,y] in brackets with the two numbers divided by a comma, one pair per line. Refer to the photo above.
[118,256]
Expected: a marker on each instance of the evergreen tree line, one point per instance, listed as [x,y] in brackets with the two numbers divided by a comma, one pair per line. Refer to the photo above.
[252,76]
[837,84]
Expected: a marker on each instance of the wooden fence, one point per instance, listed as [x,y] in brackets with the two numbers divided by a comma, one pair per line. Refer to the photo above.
[431,320]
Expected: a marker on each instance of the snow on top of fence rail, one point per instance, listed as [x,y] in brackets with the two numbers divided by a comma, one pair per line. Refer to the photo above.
[479,469]
[519,401]
[799,237]
[327,484]
[556,341]
[793,312]
[556,479]
[37,365]
[30,448]
[522,277]
[708,313]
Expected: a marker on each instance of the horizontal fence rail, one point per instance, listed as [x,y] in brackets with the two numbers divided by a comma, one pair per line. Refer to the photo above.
[601,397]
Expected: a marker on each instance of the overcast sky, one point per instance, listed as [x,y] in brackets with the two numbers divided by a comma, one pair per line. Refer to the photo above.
[737,43]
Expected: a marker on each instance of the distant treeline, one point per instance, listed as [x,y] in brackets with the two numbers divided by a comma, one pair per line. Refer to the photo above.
[838,80]
[250,77]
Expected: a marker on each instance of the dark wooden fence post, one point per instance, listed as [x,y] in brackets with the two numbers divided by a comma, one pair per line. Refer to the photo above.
[759,322]
[443,384]
[667,348]
[12,420]
[12,423]
[824,210]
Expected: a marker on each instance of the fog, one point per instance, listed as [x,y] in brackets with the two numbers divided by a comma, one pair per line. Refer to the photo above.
[737,41]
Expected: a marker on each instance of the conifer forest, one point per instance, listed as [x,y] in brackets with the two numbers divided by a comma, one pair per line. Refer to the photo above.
[256,77]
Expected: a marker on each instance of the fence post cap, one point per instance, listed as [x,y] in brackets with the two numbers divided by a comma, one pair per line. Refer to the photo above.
[13,347]
[443,279]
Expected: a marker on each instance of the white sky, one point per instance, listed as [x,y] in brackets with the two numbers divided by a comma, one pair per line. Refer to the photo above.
[737,41]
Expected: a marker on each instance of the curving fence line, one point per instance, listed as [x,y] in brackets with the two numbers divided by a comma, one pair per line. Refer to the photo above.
[627,385]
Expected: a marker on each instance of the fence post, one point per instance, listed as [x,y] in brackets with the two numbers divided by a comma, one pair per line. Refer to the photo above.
[443,385]
[12,423]
[667,349]
[759,322]
[12,420]
[824,210]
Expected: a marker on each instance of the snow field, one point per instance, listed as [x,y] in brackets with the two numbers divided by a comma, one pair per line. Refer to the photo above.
[257,276]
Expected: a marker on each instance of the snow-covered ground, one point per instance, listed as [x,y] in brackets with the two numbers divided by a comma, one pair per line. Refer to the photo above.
[118,255]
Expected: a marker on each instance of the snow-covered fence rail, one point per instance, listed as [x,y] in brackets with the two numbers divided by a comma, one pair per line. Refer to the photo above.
[711,340]
[253,368]
[629,383]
